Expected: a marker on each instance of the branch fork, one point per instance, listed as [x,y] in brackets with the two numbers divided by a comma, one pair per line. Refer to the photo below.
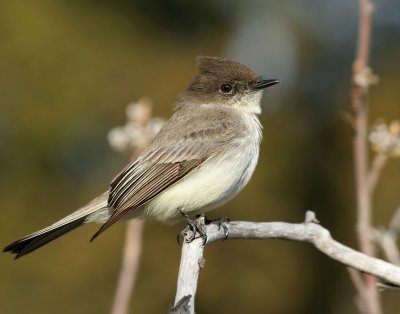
[192,258]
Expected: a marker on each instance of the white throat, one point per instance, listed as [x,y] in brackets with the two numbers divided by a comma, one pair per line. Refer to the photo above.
[249,102]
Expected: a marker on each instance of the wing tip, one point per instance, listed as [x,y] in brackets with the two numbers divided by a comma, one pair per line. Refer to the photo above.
[96,235]
[112,220]
[103,228]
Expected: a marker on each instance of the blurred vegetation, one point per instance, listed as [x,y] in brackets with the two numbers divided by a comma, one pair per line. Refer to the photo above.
[67,71]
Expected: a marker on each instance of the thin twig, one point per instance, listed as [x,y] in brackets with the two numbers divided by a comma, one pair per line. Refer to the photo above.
[361,82]
[394,225]
[129,267]
[388,243]
[378,163]
[135,136]
[387,239]
[357,279]
[192,260]
[360,108]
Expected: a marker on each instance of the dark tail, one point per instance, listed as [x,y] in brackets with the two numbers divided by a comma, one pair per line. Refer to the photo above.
[39,238]
[30,243]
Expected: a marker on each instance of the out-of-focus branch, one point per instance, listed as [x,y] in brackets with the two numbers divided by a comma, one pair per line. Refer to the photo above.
[192,260]
[360,65]
[387,239]
[130,264]
[362,78]
[361,74]
[385,140]
[133,137]
[378,163]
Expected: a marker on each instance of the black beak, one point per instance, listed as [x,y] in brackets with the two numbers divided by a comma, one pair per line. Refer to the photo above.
[263,84]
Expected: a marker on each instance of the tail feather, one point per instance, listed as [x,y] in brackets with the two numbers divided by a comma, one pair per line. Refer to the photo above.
[30,243]
[39,238]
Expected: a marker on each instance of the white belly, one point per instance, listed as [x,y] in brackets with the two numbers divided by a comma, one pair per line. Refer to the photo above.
[215,182]
[212,184]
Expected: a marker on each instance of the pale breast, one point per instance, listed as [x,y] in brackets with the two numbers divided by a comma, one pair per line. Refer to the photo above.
[215,182]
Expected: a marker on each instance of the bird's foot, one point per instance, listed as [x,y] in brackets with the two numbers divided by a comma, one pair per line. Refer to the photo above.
[221,223]
[194,226]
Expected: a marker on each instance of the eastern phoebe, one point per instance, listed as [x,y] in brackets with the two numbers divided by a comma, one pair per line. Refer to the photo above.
[203,156]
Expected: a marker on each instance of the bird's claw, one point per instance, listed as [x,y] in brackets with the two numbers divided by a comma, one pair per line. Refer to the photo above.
[194,226]
[221,223]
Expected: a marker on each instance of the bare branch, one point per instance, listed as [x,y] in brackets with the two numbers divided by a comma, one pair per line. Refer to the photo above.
[388,243]
[360,109]
[359,283]
[357,279]
[364,38]
[129,267]
[394,226]
[362,78]
[192,259]
[139,130]
[387,239]
[378,163]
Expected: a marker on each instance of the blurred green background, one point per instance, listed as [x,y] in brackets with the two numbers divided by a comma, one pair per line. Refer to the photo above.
[69,68]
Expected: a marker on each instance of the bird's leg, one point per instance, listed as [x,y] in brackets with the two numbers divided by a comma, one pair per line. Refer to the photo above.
[193,226]
[221,223]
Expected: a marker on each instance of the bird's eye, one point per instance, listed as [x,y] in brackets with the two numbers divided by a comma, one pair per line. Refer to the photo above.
[226,88]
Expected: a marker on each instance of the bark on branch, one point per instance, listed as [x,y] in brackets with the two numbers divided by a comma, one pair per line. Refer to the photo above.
[192,259]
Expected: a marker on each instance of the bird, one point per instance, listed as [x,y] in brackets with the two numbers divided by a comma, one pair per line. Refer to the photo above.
[201,158]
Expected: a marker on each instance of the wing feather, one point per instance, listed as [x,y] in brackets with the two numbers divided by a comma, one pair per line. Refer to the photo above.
[157,178]
[180,147]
